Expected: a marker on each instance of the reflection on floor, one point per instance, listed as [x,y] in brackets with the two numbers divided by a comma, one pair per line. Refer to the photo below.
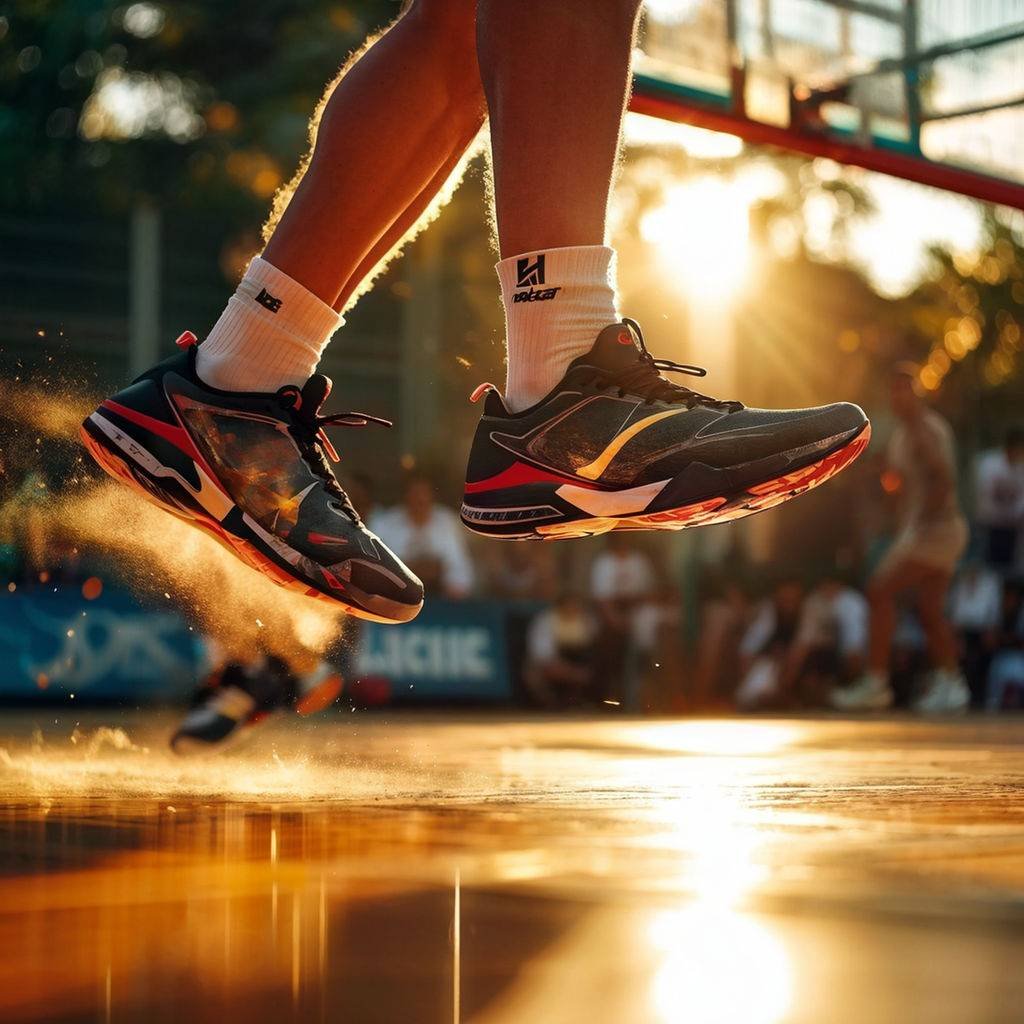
[610,871]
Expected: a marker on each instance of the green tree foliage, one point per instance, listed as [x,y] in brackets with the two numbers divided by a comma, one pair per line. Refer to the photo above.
[967,320]
[196,104]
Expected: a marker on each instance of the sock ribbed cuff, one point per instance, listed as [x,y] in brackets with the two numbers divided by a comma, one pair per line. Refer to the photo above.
[273,332]
[556,303]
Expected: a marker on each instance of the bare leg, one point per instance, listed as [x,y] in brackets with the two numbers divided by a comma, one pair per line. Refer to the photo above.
[556,77]
[410,222]
[392,128]
[882,593]
[931,607]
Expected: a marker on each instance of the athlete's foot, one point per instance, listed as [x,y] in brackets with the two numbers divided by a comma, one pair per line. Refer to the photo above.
[235,698]
[617,446]
[250,469]
[871,692]
[945,693]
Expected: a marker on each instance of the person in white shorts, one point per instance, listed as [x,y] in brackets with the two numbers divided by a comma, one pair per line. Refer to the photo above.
[929,543]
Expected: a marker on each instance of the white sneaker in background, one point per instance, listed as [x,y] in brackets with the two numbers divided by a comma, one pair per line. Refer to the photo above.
[871,692]
[946,693]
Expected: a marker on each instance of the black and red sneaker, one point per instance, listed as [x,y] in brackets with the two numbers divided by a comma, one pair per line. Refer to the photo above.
[617,446]
[250,469]
[235,697]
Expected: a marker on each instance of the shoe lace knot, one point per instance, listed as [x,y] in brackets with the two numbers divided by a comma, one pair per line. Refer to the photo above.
[309,428]
[645,378]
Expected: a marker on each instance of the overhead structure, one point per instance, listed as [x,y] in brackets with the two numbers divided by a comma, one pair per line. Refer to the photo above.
[927,90]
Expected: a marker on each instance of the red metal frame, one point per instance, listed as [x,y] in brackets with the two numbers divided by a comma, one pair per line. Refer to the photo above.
[900,165]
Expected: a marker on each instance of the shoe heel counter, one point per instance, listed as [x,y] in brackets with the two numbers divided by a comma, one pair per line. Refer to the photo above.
[146,396]
[485,457]
[182,363]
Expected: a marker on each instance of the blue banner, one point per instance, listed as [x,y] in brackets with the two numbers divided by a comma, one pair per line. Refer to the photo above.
[453,650]
[53,640]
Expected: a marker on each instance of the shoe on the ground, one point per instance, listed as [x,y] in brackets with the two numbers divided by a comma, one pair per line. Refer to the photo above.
[945,693]
[236,697]
[615,445]
[871,692]
[251,470]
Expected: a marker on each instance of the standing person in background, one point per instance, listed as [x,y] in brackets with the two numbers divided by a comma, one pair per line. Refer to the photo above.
[831,642]
[999,501]
[428,538]
[560,654]
[766,644]
[724,610]
[1006,671]
[932,536]
[621,579]
[975,607]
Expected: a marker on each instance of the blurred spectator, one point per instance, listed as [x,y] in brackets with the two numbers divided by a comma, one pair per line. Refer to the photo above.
[831,642]
[766,643]
[428,538]
[521,572]
[724,611]
[928,545]
[975,609]
[560,654]
[999,509]
[621,579]
[1006,672]
[654,659]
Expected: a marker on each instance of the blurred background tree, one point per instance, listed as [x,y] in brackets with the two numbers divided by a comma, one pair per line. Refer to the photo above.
[200,105]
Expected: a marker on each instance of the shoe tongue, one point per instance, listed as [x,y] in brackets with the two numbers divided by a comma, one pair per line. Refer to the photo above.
[617,348]
[315,392]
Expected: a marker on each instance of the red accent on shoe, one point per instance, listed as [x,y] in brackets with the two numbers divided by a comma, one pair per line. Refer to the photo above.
[520,473]
[332,579]
[177,436]
[186,340]
[325,441]
[480,390]
[323,538]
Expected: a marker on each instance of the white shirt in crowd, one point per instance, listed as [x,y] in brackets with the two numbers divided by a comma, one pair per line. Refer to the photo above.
[553,631]
[976,600]
[440,537]
[835,616]
[760,629]
[999,488]
[621,576]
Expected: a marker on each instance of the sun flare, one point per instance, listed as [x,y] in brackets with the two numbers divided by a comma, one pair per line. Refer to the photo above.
[702,234]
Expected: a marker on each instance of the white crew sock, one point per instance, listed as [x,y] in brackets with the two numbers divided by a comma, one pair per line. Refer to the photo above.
[556,303]
[272,333]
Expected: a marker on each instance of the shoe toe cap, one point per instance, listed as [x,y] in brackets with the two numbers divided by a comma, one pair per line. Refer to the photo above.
[844,417]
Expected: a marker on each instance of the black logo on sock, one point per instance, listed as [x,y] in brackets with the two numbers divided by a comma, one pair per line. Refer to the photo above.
[536,296]
[528,273]
[268,301]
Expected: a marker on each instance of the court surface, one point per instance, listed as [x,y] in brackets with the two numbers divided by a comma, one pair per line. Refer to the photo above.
[403,868]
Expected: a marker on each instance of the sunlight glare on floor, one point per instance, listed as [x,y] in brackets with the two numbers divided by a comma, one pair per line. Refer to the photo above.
[715,737]
[717,965]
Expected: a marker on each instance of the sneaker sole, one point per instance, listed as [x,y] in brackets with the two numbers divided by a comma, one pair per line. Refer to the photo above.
[321,696]
[135,476]
[721,509]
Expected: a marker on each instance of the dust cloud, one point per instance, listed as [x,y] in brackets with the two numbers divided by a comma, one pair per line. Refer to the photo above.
[160,557]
